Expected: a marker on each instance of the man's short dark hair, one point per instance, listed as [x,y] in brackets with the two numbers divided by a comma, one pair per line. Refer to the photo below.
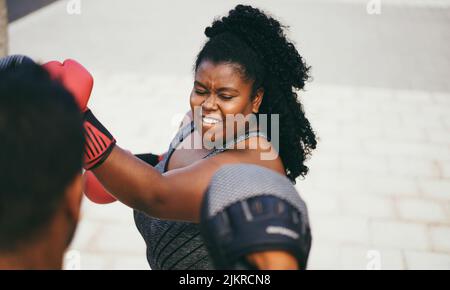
[41,147]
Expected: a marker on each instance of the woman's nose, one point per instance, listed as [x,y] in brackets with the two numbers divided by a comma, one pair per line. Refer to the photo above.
[210,103]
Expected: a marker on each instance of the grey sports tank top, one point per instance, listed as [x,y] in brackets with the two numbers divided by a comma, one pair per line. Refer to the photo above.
[178,245]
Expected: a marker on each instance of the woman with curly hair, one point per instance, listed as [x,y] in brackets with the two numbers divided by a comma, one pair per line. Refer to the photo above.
[247,67]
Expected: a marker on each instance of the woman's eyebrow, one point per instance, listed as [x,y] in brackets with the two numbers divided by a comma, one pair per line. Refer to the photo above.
[230,89]
[227,89]
[197,83]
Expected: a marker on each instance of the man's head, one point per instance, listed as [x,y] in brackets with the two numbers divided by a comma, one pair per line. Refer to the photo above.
[41,147]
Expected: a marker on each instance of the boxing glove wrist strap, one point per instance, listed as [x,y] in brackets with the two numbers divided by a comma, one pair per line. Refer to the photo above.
[99,142]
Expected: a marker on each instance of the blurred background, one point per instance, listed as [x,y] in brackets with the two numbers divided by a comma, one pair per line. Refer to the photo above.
[378,190]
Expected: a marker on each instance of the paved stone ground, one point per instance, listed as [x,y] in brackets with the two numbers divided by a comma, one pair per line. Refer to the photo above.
[379,186]
[379,180]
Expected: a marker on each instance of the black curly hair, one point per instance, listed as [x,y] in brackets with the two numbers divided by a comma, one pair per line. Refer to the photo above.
[257,43]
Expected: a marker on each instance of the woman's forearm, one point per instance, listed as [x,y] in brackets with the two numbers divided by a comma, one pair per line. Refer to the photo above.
[132,181]
[175,195]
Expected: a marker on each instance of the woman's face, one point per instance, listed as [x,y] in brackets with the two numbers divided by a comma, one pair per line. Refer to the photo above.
[220,90]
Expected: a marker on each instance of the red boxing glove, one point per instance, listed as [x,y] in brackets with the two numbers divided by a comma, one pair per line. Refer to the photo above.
[95,191]
[77,80]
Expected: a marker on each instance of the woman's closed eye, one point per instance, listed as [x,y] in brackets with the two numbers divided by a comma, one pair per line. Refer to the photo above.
[199,92]
[226,97]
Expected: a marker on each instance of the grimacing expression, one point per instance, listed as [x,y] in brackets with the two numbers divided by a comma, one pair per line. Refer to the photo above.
[220,90]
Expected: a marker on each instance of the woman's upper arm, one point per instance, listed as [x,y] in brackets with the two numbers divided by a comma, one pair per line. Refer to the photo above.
[185,187]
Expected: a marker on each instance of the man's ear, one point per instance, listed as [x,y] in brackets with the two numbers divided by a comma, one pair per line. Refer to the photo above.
[73,197]
[257,100]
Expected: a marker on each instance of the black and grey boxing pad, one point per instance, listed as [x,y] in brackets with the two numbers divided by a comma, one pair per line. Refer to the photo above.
[13,61]
[247,209]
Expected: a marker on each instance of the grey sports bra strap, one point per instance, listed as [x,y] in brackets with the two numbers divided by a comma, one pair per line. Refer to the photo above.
[181,135]
[237,140]
[188,129]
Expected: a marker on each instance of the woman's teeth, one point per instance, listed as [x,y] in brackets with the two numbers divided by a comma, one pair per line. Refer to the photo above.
[211,121]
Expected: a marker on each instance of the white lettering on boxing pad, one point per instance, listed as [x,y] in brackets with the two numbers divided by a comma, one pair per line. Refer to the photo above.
[282,231]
